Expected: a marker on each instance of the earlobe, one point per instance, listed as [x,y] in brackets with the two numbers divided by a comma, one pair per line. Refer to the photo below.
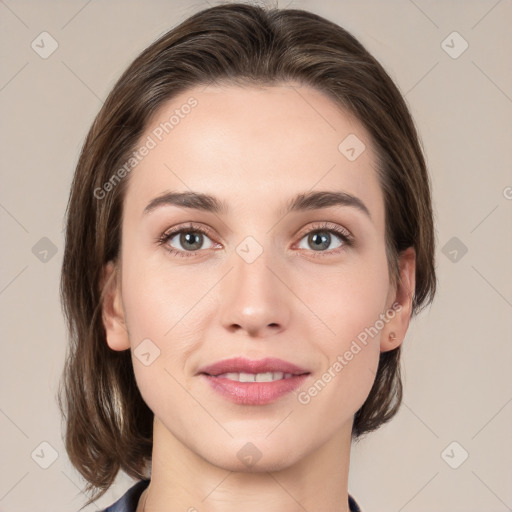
[112,312]
[400,312]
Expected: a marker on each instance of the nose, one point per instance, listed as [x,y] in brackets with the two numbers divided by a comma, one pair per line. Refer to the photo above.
[254,297]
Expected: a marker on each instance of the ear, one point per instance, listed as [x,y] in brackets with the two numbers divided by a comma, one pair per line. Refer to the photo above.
[400,302]
[112,311]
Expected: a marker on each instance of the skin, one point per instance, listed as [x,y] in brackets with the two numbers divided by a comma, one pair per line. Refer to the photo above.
[254,148]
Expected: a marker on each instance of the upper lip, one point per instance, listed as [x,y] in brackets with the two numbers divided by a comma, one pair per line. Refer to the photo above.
[243,365]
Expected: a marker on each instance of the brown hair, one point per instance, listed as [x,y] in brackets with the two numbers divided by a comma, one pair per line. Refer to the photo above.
[109,426]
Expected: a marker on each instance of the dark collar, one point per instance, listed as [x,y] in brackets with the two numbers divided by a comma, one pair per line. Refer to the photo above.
[129,500]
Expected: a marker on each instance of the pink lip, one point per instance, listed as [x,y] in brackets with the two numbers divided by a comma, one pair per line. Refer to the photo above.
[253,393]
[241,364]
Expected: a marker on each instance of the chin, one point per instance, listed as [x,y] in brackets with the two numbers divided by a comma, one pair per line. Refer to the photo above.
[275,462]
[254,455]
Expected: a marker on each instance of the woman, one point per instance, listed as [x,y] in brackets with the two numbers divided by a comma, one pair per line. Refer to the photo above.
[249,233]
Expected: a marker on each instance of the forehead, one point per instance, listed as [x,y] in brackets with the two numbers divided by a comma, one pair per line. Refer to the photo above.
[253,147]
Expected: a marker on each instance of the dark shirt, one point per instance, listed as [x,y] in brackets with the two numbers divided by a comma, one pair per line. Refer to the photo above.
[129,500]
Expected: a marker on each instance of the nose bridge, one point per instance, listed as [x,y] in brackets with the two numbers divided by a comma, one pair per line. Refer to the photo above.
[252,295]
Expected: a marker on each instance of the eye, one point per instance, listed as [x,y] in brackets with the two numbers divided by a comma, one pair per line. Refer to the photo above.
[321,239]
[189,240]
[185,240]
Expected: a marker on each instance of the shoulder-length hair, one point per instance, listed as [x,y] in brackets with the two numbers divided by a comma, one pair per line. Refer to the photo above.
[108,424]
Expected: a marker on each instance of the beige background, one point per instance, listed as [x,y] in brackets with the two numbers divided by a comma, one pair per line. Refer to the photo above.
[458,354]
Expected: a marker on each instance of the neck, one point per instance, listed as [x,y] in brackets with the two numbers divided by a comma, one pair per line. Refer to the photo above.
[182,480]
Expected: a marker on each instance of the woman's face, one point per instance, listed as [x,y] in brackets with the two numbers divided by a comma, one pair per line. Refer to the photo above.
[307,285]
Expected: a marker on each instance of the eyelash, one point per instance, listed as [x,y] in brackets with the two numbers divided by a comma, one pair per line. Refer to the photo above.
[343,234]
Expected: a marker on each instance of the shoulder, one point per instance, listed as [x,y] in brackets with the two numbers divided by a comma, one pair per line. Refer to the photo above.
[129,500]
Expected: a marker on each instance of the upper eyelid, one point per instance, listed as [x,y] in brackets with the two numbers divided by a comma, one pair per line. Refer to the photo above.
[327,226]
[173,232]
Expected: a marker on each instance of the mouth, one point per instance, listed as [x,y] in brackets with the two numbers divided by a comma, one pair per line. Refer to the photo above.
[254,377]
[253,382]
[240,368]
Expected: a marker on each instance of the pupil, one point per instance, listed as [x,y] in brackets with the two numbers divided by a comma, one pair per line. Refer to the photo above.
[320,241]
[191,239]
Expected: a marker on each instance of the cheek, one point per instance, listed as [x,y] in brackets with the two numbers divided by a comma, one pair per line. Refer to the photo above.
[347,299]
[347,304]
[158,307]
[158,298]
[158,312]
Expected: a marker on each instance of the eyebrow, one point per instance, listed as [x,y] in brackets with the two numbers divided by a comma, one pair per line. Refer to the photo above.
[303,201]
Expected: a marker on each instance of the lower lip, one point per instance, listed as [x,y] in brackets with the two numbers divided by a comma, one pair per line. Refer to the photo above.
[254,393]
